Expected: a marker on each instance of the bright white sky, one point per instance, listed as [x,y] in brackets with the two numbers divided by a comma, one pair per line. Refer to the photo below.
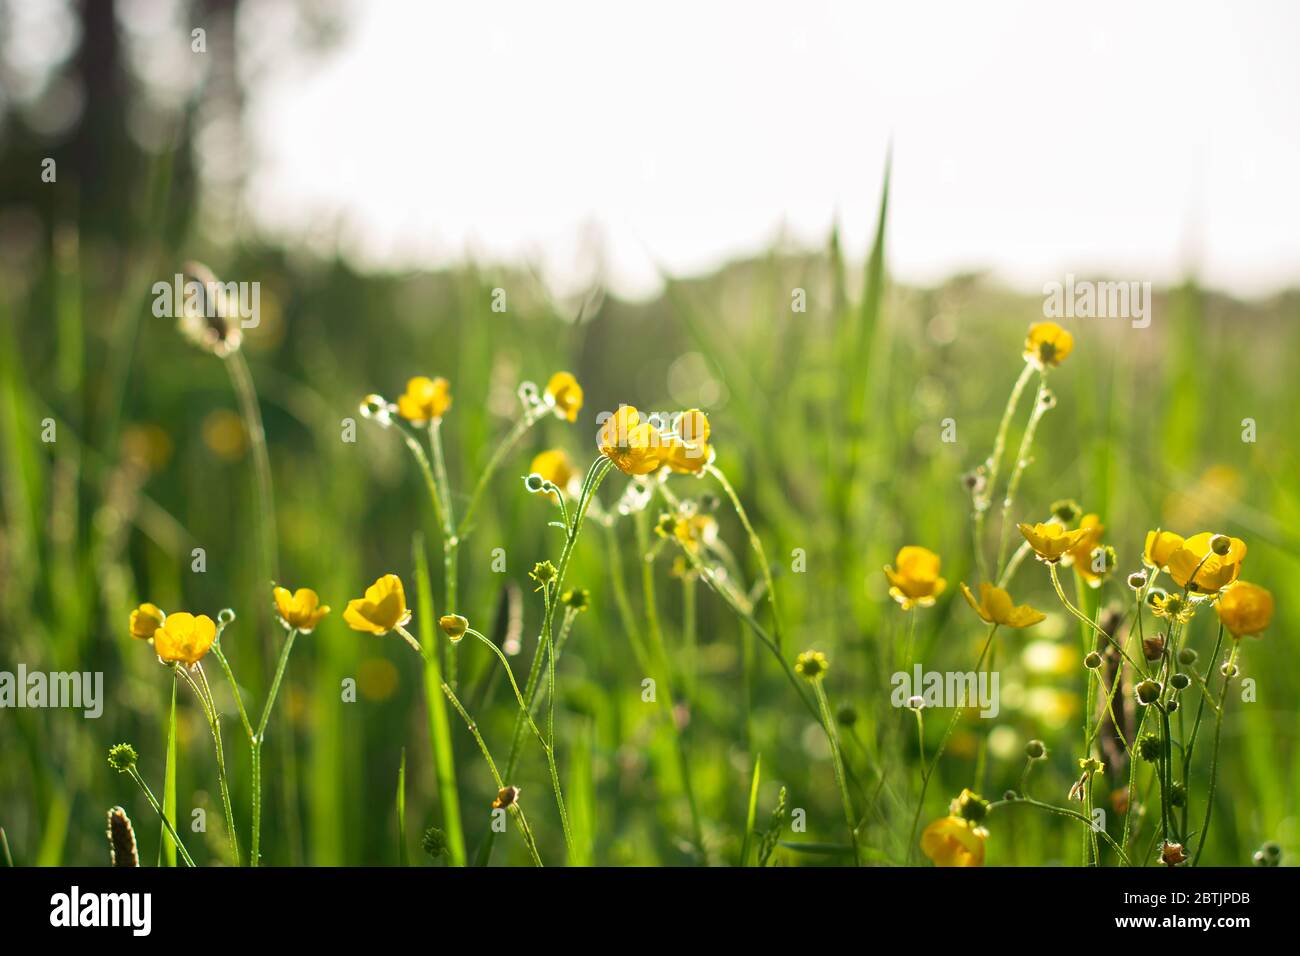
[1032,139]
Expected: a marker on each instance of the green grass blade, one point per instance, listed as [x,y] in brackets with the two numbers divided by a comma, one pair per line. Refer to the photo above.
[439,731]
[753,811]
[166,846]
[402,858]
[581,798]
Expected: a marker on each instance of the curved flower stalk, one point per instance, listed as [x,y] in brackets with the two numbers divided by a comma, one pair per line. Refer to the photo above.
[422,407]
[1046,346]
[181,640]
[812,667]
[209,321]
[456,627]
[123,759]
[550,579]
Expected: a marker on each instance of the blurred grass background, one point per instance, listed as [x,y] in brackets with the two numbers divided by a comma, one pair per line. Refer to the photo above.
[827,421]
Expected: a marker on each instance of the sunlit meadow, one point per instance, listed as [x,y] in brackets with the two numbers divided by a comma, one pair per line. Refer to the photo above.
[436,569]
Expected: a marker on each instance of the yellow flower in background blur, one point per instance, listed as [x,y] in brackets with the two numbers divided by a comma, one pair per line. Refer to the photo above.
[1245,608]
[952,841]
[224,434]
[1203,501]
[632,445]
[687,450]
[382,609]
[564,392]
[914,578]
[1047,344]
[1052,541]
[995,607]
[554,466]
[301,610]
[1197,566]
[425,399]
[145,620]
[377,678]
[184,638]
[696,531]
[146,446]
[1159,548]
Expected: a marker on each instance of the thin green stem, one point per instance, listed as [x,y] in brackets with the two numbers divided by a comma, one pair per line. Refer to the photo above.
[547,745]
[928,771]
[234,688]
[204,693]
[153,802]
[837,760]
[246,395]
[993,465]
[517,812]
[450,541]
[1084,619]
[1022,460]
[1228,669]
[521,427]
[1063,812]
[757,544]
[655,633]
[257,739]
[591,482]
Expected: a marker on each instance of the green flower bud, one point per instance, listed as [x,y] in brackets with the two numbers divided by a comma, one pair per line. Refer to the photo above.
[122,757]
[1150,747]
[1148,692]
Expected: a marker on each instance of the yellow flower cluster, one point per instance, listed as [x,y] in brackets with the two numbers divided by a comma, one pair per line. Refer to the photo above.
[184,638]
[638,448]
[179,637]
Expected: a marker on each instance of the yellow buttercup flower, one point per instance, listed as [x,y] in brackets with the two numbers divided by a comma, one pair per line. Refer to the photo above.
[425,399]
[564,392]
[1196,566]
[687,449]
[145,620]
[952,841]
[1047,344]
[811,665]
[1245,608]
[696,531]
[1052,541]
[1159,548]
[454,626]
[632,445]
[1081,555]
[1171,607]
[184,638]
[300,610]
[915,581]
[381,610]
[995,607]
[554,466]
